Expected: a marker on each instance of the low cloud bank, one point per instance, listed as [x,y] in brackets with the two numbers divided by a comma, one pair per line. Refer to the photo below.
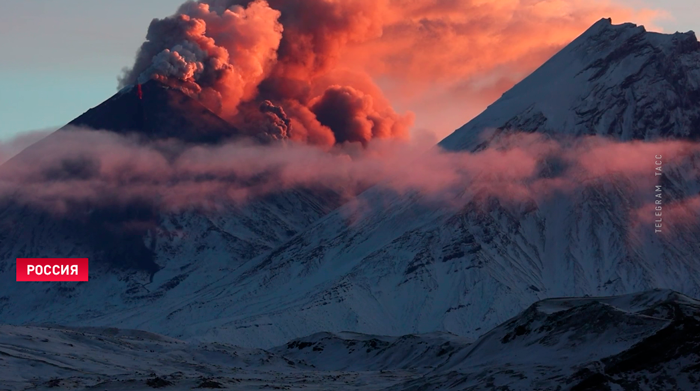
[79,168]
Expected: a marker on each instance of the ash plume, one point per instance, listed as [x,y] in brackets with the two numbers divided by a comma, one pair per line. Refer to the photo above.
[257,63]
[218,56]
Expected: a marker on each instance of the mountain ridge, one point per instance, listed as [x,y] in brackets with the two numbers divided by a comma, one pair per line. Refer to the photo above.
[557,343]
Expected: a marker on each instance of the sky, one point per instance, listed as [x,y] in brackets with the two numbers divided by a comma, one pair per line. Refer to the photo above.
[63,57]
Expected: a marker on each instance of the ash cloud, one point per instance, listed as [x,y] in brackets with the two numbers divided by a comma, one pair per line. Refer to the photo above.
[353,116]
[216,55]
[257,64]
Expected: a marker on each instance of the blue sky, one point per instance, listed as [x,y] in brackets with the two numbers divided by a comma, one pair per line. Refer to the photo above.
[62,57]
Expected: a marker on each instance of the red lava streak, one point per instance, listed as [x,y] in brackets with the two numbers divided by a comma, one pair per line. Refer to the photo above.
[139,91]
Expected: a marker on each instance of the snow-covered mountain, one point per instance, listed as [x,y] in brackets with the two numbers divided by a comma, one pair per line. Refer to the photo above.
[646,341]
[614,80]
[288,267]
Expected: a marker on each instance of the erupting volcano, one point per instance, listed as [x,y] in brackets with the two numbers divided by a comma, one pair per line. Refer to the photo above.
[250,184]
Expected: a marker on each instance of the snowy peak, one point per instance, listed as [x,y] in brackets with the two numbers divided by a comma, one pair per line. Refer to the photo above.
[605,38]
[154,110]
[614,80]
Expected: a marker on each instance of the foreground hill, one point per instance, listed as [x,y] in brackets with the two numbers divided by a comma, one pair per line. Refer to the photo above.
[646,341]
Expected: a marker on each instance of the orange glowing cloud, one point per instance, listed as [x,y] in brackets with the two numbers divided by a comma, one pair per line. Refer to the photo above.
[218,56]
[446,60]
[433,40]
[264,64]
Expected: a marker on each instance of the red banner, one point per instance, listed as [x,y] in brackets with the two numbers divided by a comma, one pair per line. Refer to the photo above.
[52,269]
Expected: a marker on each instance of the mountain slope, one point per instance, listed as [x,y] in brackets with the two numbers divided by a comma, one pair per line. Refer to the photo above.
[642,341]
[138,253]
[175,257]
